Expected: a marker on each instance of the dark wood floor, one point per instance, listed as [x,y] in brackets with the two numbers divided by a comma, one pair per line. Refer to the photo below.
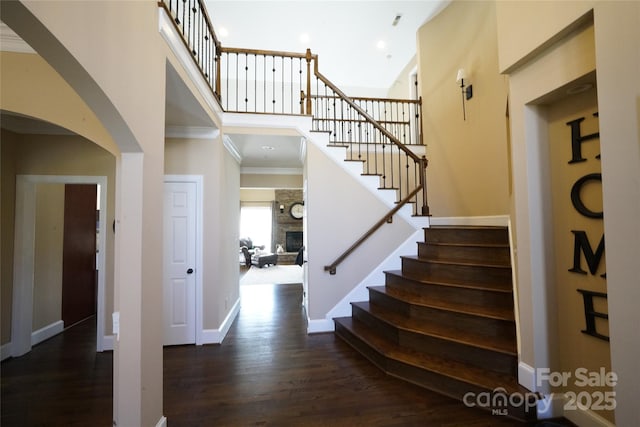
[61,382]
[267,371]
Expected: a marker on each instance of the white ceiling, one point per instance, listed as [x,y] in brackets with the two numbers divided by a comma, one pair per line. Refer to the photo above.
[343,33]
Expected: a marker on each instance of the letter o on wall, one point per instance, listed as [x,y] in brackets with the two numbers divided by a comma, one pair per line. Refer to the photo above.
[577,201]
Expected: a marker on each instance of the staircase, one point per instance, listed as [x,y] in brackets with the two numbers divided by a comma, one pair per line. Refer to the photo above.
[445,321]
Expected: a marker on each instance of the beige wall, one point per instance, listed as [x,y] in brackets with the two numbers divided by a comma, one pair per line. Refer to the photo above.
[270,181]
[533,26]
[51,155]
[47,275]
[221,201]
[26,77]
[257,195]
[338,212]
[541,57]
[468,164]
[402,87]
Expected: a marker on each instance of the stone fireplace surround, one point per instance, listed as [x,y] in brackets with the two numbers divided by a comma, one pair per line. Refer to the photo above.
[283,221]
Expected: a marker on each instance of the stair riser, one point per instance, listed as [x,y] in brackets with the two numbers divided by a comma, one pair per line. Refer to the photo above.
[482,358]
[482,326]
[465,235]
[382,328]
[457,273]
[494,256]
[361,347]
[436,293]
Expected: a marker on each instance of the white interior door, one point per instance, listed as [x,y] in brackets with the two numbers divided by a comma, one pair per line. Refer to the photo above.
[179,263]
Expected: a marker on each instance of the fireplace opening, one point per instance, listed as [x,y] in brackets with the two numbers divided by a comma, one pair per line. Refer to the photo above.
[293,241]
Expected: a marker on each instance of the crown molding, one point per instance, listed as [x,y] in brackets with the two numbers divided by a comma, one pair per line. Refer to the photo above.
[231,148]
[191,132]
[270,171]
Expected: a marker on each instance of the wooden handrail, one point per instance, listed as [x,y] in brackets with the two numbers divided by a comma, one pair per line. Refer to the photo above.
[331,268]
[364,114]
[238,50]
[365,98]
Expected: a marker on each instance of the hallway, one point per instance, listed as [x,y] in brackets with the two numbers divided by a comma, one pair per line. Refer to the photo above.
[267,371]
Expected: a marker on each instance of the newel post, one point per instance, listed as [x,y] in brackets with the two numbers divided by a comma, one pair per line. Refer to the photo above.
[308,106]
[423,182]
[218,59]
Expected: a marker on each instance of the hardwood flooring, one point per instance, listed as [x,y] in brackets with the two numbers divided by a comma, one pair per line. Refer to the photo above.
[267,372]
[61,382]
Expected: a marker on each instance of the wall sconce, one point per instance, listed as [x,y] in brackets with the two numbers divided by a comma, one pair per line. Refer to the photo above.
[281,208]
[467,92]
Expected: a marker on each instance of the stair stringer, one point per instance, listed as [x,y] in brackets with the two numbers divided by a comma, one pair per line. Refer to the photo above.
[359,291]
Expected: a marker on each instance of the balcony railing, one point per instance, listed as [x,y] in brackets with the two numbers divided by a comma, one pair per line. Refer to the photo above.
[375,131]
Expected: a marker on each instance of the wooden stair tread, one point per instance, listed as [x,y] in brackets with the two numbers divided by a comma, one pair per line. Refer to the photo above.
[467,263]
[469,245]
[423,327]
[464,285]
[441,304]
[479,377]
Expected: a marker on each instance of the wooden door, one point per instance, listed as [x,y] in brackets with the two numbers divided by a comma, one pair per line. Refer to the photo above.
[79,253]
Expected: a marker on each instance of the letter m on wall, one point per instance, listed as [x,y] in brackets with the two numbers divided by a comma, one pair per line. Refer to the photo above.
[582,246]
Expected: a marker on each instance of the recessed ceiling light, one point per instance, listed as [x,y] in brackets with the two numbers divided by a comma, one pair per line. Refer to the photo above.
[268,148]
[381,44]
[304,38]
[396,19]
[223,32]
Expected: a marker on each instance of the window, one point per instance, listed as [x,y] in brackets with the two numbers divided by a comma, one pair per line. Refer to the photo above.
[256,223]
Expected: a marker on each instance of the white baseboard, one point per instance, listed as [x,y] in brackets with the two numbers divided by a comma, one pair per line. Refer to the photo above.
[527,376]
[107,343]
[5,351]
[587,418]
[162,422]
[316,326]
[215,336]
[47,332]
[492,220]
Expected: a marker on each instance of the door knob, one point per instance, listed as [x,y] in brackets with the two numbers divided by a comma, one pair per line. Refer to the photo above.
[189,271]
